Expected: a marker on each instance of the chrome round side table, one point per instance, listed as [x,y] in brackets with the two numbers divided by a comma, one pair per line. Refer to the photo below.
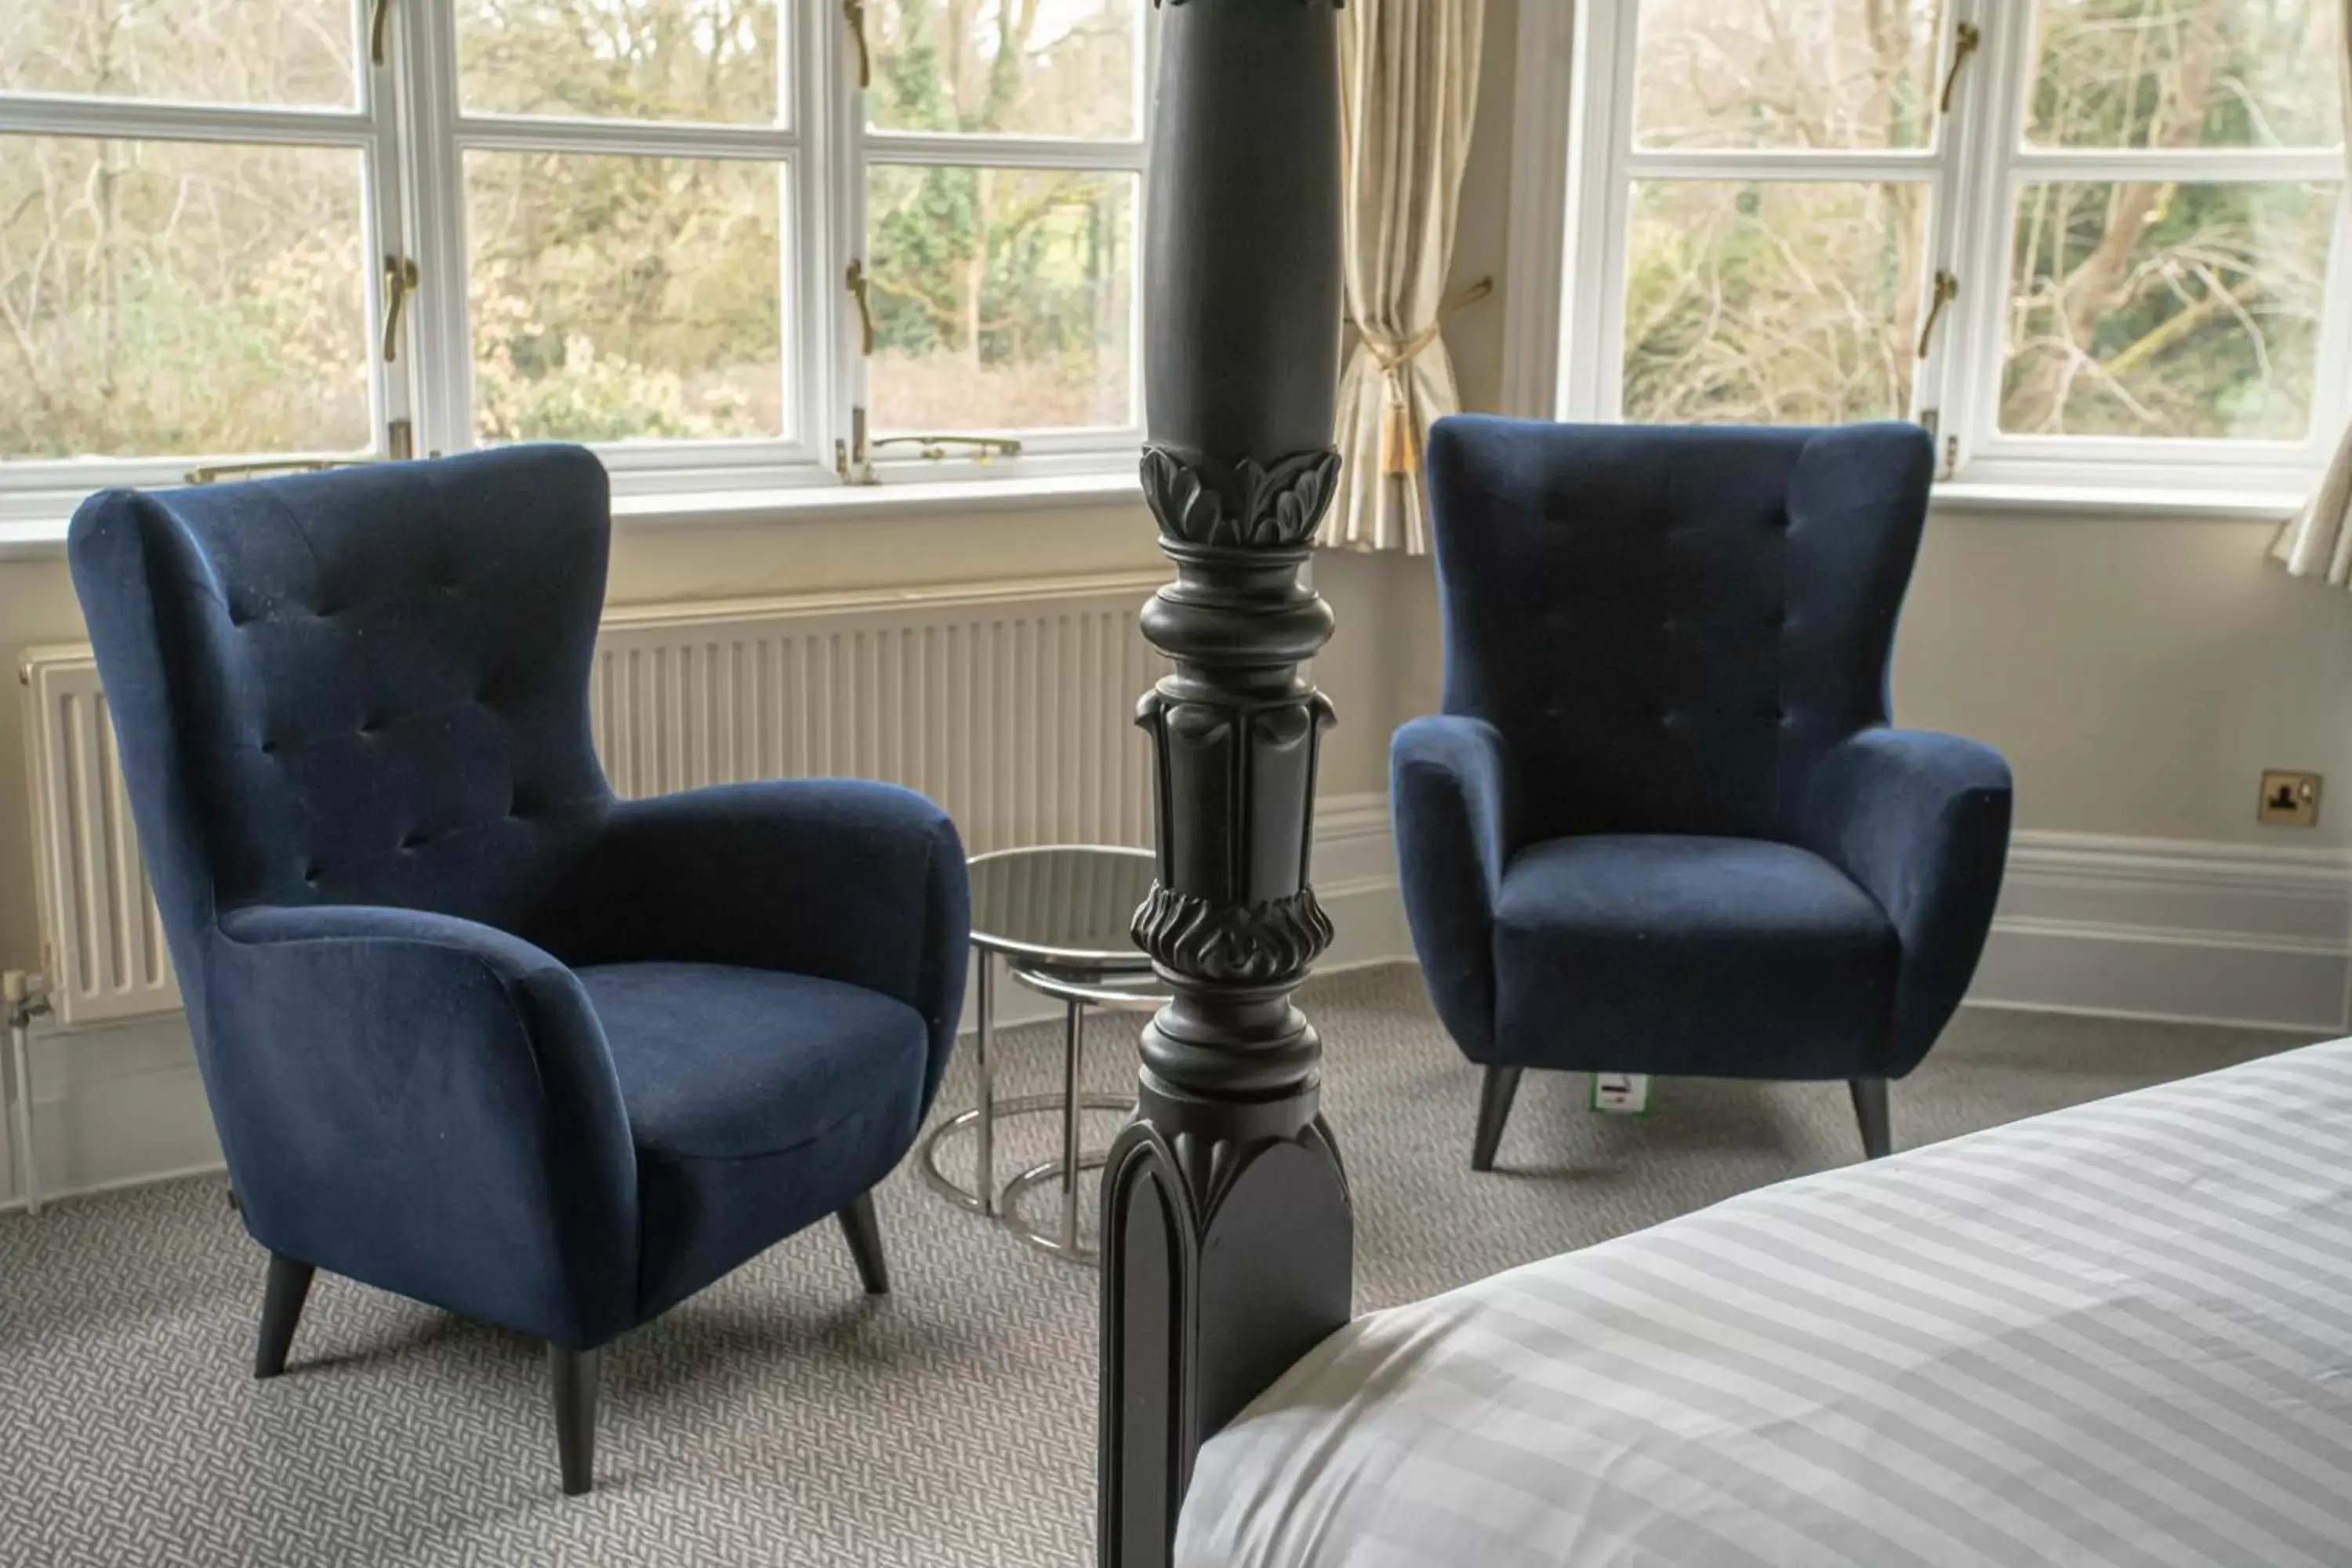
[1058,917]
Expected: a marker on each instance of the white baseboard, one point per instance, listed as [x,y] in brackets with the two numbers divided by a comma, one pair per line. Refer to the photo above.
[2166,929]
[2245,935]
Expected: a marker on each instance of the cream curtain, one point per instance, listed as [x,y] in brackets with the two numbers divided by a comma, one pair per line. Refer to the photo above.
[2318,543]
[1409,84]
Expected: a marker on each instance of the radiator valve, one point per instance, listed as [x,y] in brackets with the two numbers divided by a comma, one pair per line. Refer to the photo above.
[25,995]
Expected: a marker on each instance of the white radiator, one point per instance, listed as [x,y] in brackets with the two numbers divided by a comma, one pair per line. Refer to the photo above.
[1011,705]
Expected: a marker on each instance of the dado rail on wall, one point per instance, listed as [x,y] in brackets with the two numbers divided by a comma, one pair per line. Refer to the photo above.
[1011,704]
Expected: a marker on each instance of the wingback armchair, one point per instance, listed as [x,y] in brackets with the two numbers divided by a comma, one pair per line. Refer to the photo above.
[1662,825]
[473,1030]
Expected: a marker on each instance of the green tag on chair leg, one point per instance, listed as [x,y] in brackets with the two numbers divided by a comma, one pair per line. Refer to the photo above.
[1622,1093]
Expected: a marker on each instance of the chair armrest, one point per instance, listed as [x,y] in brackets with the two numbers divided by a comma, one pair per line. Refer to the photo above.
[1922,822]
[1451,789]
[426,1104]
[844,879]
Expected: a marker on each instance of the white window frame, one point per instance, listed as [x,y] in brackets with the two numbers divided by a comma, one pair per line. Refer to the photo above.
[1043,452]
[1576,166]
[40,491]
[442,132]
[412,127]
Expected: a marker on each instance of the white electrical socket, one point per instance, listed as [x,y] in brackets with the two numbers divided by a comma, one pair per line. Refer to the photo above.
[1622,1093]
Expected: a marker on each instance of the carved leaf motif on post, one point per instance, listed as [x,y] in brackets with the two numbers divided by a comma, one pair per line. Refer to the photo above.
[1234,944]
[1203,499]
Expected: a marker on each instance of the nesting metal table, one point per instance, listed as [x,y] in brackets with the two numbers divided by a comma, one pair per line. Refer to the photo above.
[1057,917]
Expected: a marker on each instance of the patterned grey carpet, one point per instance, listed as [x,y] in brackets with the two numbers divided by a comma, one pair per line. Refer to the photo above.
[781,1419]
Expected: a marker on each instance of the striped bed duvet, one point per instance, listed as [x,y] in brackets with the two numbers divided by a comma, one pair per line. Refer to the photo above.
[2120,1333]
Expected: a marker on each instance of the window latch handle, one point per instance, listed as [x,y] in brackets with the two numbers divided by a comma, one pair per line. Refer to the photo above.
[401,279]
[984,449]
[223,473]
[1966,39]
[379,17]
[861,289]
[855,11]
[853,459]
[1948,288]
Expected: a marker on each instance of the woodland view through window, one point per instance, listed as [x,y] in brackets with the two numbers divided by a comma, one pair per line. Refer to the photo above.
[267,227]
[262,227]
[2067,232]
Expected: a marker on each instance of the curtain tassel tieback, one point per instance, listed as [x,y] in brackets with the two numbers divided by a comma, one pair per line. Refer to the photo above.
[1400,430]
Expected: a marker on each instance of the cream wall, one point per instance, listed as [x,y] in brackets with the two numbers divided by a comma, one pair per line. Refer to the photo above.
[2140,673]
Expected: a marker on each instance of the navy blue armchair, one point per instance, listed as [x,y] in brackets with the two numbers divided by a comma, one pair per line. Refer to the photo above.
[1662,825]
[472,1030]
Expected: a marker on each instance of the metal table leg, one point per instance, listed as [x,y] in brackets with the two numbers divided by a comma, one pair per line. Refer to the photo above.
[1060,1235]
[20,1051]
[985,1124]
[1074,1034]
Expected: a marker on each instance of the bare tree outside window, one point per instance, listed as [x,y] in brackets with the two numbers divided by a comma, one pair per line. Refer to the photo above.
[162,296]
[624,298]
[1778,300]
[2173,306]
[284,53]
[708,60]
[1012,68]
[2156,297]
[186,265]
[1786,73]
[1772,303]
[1002,296]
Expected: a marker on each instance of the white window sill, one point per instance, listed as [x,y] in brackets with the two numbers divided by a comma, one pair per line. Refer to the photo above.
[888,499]
[2113,502]
[44,538]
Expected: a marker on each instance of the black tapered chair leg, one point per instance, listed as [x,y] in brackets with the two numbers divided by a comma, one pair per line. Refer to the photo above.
[574,1377]
[281,1309]
[865,1235]
[1494,1095]
[1870,1111]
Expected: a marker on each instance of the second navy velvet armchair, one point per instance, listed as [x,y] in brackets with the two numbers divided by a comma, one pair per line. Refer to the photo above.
[1661,824]
[473,1030]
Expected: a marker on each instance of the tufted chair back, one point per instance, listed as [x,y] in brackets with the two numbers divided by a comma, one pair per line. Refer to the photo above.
[1671,626]
[366,686]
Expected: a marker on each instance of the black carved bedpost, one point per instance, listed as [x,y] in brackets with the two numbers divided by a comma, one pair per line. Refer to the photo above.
[1227,1242]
